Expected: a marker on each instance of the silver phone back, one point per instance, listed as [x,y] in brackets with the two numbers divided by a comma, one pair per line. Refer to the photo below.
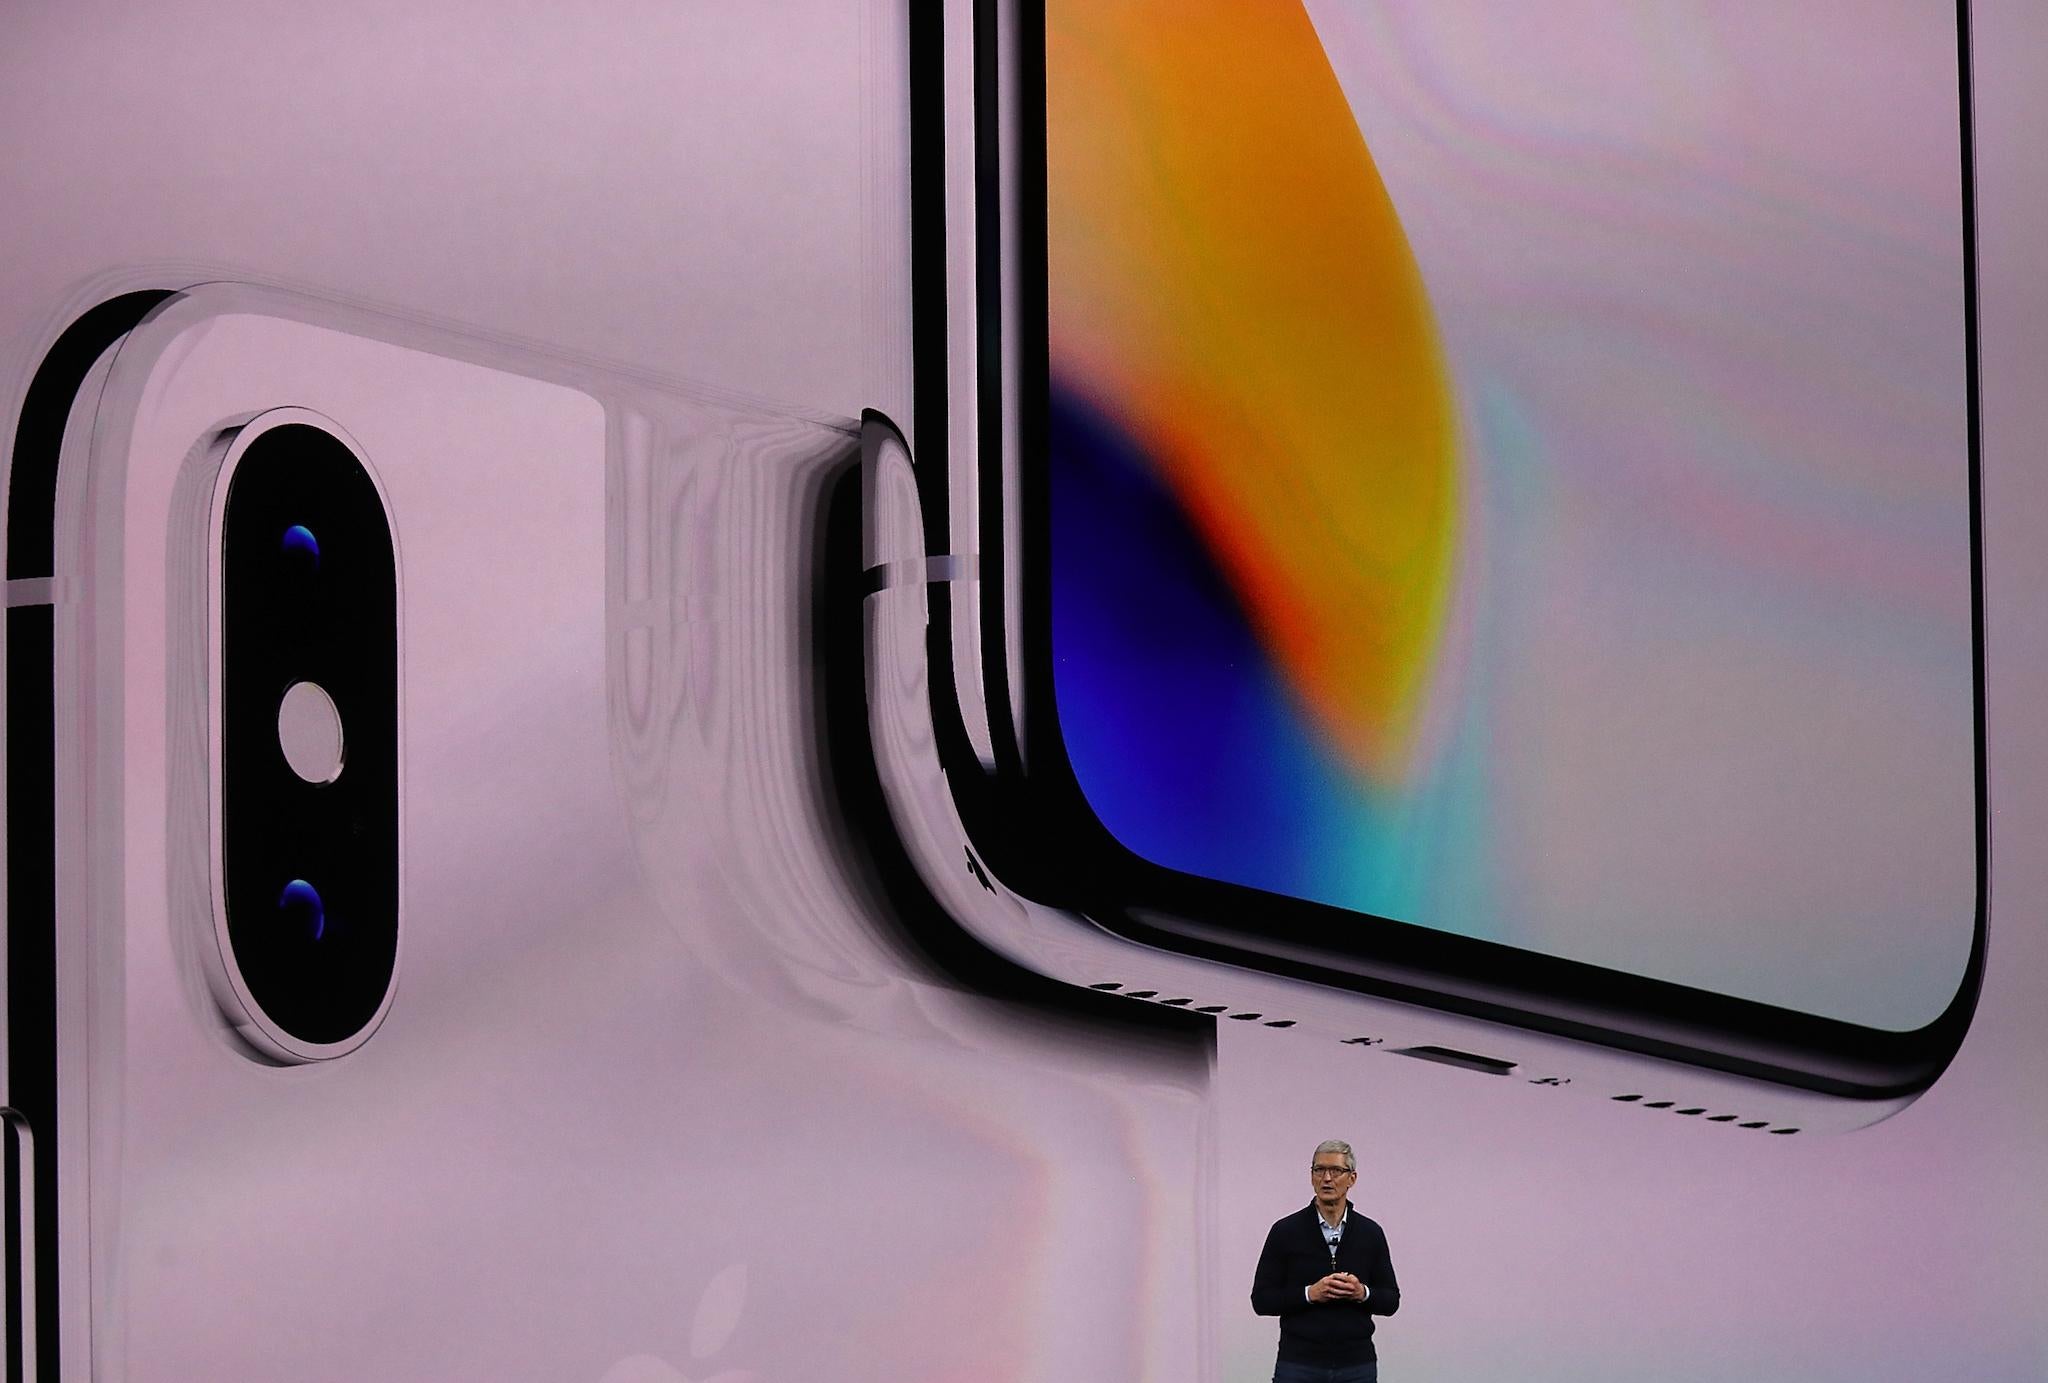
[658,1096]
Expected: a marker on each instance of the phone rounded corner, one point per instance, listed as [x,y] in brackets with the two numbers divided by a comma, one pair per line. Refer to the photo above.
[1933,1048]
[932,783]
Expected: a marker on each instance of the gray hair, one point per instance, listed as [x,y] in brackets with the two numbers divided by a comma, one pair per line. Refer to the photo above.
[1338,1146]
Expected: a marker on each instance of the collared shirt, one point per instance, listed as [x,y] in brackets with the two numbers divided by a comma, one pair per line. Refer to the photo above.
[1331,1234]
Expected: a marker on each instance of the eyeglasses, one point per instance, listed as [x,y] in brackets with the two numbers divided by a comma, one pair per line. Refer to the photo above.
[1321,1172]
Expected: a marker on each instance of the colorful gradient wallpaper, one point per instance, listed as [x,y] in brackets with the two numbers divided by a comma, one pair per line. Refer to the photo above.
[1461,419]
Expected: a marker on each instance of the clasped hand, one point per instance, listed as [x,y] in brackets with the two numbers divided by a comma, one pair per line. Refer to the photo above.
[1337,1287]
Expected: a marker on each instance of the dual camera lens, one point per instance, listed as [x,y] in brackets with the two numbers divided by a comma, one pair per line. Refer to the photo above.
[308,725]
[309,734]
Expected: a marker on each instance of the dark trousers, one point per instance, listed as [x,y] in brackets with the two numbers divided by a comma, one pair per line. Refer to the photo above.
[1285,1371]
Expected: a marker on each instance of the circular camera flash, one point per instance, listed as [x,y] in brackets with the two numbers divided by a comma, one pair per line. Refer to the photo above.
[309,732]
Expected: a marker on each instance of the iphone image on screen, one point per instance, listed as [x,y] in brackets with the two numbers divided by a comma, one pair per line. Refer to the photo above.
[384,1001]
[1456,530]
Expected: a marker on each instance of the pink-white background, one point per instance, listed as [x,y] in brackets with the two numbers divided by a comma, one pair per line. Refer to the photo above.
[716,192]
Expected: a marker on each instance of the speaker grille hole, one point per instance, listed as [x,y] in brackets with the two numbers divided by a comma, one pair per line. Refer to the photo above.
[1182,1001]
[1695,1111]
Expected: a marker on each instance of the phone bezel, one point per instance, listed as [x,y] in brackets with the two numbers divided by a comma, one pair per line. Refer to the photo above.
[31,828]
[1026,813]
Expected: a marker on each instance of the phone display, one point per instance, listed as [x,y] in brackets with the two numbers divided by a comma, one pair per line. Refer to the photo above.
[1509,472]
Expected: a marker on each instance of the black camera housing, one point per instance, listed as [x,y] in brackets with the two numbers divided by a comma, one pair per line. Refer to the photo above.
[307,912]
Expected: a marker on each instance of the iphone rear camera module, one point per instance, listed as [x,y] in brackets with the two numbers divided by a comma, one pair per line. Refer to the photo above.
[304,739]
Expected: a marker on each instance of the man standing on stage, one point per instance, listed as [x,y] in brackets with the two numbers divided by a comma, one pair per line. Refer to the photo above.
[1325,1273]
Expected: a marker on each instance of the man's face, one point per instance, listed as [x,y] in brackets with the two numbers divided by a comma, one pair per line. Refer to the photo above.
[1331,1179]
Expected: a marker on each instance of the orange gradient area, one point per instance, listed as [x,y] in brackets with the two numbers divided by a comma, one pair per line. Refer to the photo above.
[1230,282]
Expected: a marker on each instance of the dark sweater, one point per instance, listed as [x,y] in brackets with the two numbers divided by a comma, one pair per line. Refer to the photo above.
[1331,1333]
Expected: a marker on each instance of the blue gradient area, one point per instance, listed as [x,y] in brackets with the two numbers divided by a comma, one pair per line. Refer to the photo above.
[299,541]
[300,902]
[1184,739]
